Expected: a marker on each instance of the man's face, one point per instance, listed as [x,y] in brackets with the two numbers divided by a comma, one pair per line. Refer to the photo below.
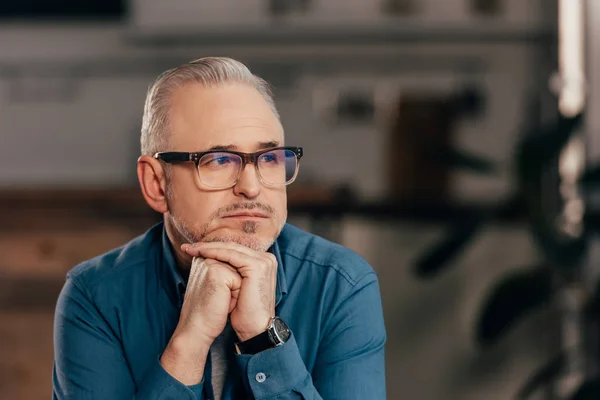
[233,117]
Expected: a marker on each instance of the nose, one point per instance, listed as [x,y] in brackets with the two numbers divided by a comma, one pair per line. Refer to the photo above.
[248,185]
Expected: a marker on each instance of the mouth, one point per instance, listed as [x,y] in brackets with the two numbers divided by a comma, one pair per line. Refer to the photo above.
[247,215]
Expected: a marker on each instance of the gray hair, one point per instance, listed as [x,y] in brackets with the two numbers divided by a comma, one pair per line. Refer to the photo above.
[210,72]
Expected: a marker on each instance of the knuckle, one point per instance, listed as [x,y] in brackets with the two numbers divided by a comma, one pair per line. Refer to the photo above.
[198,262]
[217,269]
[212,267]
[269,261]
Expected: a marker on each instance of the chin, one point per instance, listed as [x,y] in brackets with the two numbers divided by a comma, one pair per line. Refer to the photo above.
[253,242]
[251,236]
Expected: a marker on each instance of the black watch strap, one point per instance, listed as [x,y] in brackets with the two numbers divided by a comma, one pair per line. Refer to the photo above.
[277,333]
[256,344]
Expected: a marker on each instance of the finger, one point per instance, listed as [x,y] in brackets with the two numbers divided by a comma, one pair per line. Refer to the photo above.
[232,276]
[235,278]
[223,252]
[214,263]
[219,245]
[204,262]
[208,249]
[234,258]
[198,262]
[235,294]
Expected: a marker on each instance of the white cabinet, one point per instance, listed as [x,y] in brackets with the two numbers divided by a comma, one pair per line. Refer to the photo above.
[195,15]
[198,16]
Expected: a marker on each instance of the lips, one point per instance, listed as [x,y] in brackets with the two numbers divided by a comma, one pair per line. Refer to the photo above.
[247,214]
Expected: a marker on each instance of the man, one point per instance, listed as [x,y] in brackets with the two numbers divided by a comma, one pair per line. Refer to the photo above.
[223,300]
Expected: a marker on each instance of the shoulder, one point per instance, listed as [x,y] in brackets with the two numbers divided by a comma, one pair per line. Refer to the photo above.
[114,265]
[312,251]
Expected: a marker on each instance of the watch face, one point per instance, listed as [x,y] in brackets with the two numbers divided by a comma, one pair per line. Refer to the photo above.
[281,330]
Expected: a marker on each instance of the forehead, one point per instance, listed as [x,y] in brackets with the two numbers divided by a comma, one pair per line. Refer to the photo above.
[229,115]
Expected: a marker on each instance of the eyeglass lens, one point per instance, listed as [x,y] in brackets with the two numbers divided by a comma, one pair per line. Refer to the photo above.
[220,169]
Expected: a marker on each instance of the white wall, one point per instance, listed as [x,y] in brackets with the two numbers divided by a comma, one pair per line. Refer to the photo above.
[90,136]
[92,139]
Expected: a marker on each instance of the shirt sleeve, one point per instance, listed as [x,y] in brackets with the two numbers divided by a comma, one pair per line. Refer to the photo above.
[350,362]
[89,362]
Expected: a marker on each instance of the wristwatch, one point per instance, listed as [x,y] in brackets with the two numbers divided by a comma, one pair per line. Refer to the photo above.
[277,333]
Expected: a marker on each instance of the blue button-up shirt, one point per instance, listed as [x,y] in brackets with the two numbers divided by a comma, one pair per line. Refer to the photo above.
[117,312]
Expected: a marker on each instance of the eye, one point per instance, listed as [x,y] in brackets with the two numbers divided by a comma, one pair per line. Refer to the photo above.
[221,160]
[215,160]
[269,158]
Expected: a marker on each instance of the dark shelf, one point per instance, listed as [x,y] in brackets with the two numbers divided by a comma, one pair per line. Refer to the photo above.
[410,212]
[63,10]
[27,207]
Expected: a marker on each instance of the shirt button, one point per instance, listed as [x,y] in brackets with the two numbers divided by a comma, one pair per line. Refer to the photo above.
[260,377]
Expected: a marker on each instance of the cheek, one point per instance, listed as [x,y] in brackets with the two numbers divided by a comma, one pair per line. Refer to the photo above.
[192,206]
[279,202]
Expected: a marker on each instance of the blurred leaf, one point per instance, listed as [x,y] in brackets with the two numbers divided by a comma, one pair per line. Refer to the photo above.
[592,308]
[538,182]
[453,242]
[511,299]
[470,100]
[461,159]
[591,176]
[539,148]
[592,221]
[542,377]
[589,390]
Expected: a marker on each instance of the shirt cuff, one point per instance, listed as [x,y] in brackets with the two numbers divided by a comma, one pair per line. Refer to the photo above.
[274,371]
[159,384]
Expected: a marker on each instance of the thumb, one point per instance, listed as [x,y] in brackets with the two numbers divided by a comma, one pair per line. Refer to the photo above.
[235,294]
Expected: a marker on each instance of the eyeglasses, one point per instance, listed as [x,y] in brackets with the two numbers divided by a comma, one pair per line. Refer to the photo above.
[218,169]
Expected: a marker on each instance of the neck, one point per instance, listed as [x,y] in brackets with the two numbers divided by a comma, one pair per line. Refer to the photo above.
[182,259]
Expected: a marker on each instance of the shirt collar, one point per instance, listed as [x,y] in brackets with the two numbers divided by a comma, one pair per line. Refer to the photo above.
[175,284]
[281,288]
[172,280]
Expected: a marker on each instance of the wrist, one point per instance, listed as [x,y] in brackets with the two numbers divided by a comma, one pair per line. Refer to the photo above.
[249,333]
[186,345]
[276,334]
[185,360]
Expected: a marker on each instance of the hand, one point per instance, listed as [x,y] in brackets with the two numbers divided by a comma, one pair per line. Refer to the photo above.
[256,300]
[211,294]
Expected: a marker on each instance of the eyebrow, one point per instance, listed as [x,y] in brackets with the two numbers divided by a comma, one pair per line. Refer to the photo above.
[261,145]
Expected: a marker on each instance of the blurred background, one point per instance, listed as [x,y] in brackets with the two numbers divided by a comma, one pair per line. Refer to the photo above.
[446,141]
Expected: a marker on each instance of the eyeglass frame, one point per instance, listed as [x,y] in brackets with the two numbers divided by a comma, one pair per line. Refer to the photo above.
[170,157]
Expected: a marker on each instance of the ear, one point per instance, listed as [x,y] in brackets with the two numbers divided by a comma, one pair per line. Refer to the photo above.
[151,176]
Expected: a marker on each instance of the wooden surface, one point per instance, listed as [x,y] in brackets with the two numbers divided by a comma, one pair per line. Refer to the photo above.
[26,355]
[43,234]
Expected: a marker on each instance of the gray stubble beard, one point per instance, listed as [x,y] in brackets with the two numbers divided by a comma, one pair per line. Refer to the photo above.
[248,227]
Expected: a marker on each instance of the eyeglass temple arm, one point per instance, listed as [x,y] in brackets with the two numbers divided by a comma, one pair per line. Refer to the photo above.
[175,156]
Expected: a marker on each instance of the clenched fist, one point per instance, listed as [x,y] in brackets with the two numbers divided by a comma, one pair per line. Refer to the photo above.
[211,294]
[255,305]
